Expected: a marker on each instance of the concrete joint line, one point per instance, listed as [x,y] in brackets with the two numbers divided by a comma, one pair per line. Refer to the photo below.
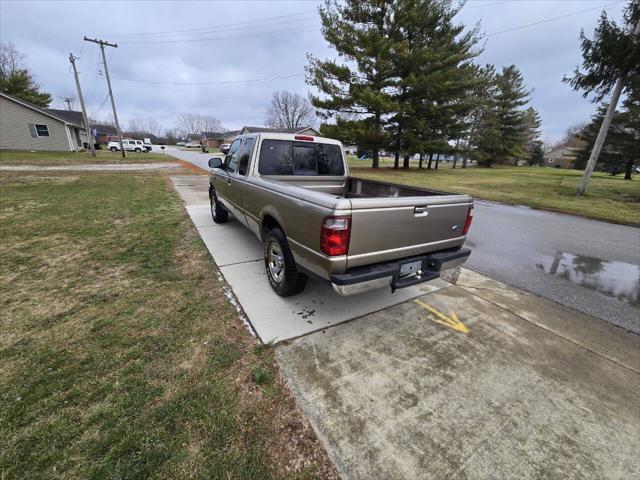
[547,329]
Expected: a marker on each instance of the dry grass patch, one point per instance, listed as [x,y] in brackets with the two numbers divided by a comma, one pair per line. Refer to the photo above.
[119,354]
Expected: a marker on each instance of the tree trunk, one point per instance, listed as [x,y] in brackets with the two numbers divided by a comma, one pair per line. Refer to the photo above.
[430,160]
[455,157]
[421,158]
[602,134]
[437,160]
[396,161]
[405,164]
[375,162]
[628,170]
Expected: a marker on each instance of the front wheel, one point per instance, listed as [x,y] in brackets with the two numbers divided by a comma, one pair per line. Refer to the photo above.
[218,213]
[138,150]
[113,149]
[280,265]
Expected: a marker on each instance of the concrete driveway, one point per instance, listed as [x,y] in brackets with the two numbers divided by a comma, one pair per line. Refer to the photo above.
[527,390]
[474,381]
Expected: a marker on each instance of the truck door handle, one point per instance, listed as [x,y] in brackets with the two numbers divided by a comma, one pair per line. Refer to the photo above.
[420,211]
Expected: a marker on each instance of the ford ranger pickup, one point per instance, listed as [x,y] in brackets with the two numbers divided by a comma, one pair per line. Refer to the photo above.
[294,192]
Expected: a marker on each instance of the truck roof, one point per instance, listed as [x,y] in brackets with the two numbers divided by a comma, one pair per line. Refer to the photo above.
[291,137]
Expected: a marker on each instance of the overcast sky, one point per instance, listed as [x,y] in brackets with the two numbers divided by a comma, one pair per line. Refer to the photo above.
[215,42]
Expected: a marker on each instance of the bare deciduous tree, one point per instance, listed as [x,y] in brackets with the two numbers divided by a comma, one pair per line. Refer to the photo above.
[11,60]
[189,123]
[141,125]
[289,110]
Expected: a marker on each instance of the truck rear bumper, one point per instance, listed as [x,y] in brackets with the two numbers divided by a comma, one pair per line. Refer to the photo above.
[398,273]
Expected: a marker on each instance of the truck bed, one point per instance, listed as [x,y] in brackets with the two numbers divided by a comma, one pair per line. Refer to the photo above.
[364,188]
[389,221]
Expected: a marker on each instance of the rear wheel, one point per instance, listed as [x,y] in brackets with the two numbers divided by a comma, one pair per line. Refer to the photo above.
[113,149]
[138,150]
[218,213]
[280,265]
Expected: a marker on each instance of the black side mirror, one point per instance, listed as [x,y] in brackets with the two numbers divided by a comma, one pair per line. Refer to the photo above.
[215,162]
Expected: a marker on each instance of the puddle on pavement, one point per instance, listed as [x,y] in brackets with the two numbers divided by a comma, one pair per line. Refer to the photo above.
[615,279]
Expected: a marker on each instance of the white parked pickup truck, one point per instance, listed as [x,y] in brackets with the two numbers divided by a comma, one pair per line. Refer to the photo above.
[294,192]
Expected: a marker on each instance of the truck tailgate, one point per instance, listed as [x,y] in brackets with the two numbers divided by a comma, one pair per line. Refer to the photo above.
[385,229]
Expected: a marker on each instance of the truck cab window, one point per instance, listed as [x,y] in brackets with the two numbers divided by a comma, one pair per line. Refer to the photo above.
[245,154]
[231,161]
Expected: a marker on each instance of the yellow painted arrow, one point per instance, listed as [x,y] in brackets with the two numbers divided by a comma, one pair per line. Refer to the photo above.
[451,321]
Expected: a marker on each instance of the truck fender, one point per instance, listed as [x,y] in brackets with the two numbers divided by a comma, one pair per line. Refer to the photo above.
[269,217]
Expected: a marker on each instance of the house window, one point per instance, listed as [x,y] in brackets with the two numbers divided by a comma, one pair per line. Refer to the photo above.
[42,130]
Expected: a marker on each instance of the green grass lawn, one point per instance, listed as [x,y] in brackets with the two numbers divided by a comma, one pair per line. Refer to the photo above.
[11,157]
[608,198]
[119,354]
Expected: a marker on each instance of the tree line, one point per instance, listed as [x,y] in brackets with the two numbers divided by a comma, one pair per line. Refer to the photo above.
[407,82]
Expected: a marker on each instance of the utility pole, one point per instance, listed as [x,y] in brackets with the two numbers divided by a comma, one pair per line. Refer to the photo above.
[604,128]
[67,100]
[90,139]
[102,44]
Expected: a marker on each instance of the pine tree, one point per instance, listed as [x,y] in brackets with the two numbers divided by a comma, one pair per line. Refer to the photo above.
[432,57]
[481,99]
[510,98]
[360,32]
[532,133]
[610,61]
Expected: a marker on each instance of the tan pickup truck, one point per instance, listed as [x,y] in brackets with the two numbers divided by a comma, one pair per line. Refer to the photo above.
[295,193]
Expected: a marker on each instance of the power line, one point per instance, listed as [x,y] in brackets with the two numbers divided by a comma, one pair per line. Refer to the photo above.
[520,27]
[253,27]
[153,82]
[199,29]
[208,39]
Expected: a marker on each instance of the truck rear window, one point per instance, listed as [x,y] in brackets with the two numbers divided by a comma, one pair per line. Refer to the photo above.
[284,157]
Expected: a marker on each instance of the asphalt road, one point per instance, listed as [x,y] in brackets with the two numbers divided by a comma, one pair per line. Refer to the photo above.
[591,266]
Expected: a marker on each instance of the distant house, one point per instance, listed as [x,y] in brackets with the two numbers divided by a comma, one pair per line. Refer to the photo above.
[24,126]
[351,149]
[105,133]
[560,157]
[215,139]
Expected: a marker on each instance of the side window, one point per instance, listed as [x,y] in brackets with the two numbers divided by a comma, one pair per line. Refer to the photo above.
[245,155]
[42,130]
[231,161]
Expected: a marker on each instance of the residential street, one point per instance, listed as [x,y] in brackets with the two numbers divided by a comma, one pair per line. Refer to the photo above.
[587,265]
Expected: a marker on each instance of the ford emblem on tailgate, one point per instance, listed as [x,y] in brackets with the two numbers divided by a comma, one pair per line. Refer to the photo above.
[455,227]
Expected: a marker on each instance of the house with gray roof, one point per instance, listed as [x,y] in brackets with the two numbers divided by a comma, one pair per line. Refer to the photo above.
[562,157]
[24,126]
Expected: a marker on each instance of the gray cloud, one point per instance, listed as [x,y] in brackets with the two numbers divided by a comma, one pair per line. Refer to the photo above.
[47,31]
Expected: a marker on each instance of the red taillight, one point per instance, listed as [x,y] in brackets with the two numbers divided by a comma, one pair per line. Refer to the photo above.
[467,224]
[334,235]
[307,138]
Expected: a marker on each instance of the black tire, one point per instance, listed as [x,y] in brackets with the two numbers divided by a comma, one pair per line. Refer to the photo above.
[113,149]
[290,281]
[218,213]
[138,150]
